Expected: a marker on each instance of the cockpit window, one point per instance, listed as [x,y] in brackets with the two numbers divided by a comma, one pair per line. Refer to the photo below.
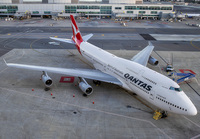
[178,89]
[175,89]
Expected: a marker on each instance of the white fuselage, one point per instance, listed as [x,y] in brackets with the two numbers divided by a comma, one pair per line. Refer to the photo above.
[148,84]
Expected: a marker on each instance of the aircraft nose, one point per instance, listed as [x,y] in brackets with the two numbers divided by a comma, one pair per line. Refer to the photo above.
[192,111]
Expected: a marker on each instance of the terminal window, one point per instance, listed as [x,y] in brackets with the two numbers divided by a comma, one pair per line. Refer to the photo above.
[118,8]
[142,12]
[154,8]
[129,12]
[130,7]
[94,7]
[106,9]
[82,7]
[153,12]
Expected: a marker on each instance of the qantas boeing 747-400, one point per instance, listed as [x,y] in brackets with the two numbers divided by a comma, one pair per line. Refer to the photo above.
[133,74]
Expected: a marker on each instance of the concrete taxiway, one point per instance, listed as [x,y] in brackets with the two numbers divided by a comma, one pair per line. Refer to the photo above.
[28,111]
[106,38]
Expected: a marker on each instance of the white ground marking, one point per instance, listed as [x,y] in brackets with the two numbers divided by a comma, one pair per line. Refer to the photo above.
[109,113]
[192,121]
[197,81]
[175,37]
[196,137]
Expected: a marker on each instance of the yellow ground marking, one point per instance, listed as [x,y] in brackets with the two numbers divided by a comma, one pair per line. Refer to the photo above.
[9,34]
[102,35]
[56,36]
[193,44]
[34,49]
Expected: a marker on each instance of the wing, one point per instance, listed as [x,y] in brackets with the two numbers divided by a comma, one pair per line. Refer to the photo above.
[85,73]
[143,56]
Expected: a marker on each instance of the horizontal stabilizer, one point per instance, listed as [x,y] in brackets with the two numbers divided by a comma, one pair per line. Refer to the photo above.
[87,37]
[62,40]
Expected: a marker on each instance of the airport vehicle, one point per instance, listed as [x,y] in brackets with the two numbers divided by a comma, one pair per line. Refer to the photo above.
[169,68]
[133,75]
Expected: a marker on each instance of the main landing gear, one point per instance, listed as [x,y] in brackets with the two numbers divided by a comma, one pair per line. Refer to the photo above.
[96,82]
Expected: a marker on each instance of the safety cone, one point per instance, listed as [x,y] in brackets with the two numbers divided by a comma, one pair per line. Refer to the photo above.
[73,95]
[32,89]
[51,94]
[93,102]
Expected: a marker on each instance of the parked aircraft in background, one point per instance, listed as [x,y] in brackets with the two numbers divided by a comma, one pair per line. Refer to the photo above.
[132,75]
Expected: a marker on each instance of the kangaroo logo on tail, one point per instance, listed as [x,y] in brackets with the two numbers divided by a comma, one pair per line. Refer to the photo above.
[76,32]
[77,38]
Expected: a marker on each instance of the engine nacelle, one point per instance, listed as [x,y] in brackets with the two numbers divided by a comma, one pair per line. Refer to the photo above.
[46,80]
[86,88]
[153,61]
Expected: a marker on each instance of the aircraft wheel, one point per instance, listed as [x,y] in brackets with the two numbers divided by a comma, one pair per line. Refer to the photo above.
[97,83]
[164,114]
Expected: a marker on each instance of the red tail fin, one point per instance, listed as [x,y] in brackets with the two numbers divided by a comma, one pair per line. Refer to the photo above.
[76,32]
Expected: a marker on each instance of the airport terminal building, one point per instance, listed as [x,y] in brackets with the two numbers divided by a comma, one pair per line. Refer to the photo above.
[84,8]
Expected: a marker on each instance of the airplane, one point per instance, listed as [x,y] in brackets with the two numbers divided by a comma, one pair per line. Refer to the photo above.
[132,75]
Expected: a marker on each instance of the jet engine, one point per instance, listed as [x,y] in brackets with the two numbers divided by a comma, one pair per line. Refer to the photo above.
[153,61]
[46,79]
[85,87]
